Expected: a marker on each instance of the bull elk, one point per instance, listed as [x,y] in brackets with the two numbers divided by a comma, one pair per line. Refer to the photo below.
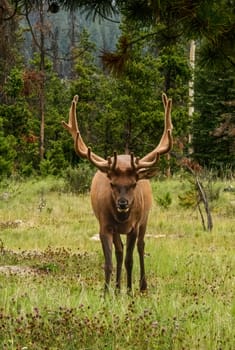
[121,196]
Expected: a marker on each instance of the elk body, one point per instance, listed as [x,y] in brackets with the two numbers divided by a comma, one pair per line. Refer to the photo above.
[121,197]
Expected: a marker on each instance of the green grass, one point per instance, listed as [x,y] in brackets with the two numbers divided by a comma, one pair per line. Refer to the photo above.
[55,298]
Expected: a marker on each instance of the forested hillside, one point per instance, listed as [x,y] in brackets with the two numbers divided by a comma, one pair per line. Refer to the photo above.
[63,30]
[118,57]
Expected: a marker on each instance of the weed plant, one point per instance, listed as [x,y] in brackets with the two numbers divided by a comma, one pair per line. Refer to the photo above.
[51,275]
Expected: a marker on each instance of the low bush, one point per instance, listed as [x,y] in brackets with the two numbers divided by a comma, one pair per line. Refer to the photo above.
[78,180]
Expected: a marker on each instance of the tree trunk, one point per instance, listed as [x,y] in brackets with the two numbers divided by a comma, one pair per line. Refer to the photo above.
[191,89]
[42,85]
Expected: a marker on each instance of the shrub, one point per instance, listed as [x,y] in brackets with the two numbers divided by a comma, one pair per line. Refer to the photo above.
[78,180]
[164,201]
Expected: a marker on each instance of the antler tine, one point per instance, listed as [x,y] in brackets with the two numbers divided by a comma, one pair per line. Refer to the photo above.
[134,161]
[148,164]
[72,114]
[114,162]
[137,164]
[72,125]
[100,163]
[79,145]
[166,141]
[167,106]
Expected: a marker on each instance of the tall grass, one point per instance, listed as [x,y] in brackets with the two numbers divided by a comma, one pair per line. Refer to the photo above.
[51,275]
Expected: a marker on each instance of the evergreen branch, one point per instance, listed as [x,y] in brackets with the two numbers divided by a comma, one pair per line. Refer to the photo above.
[107,18]
[32,31]
[14,12]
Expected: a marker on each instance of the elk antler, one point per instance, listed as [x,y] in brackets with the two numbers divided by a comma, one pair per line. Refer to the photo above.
[165,144]
[144,166]
[80,147]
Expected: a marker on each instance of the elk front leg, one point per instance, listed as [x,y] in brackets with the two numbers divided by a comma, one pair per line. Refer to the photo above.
[140,247]
[119,258]
[107,241]
[130,245]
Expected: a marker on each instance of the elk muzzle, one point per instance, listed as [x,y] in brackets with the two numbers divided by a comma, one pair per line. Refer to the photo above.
[122,205]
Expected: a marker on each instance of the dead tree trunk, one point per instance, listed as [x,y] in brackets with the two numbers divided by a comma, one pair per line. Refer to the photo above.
[42,85]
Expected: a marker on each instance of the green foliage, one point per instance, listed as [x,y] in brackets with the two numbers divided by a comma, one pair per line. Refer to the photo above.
[10,45]
[46,167]
[217,48]
[212,21]
[200,192]
[17,125]
[7,152]
[14,83]
[173,65]
[189,197]
[126,113]
[214,93]
[165,200]
[15,118]
[21,120]
[78,180]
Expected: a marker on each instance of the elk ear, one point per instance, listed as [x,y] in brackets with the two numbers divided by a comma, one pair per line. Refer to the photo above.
[147,173]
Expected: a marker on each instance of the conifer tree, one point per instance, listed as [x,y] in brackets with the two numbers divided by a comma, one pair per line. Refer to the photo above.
[7,153]
[214,122]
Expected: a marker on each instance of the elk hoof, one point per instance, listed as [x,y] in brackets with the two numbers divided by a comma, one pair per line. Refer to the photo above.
[143,285]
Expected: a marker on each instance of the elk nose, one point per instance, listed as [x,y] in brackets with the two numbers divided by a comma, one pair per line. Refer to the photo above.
[122,203]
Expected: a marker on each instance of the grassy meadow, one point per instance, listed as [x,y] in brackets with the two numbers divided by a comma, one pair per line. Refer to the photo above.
[51,273]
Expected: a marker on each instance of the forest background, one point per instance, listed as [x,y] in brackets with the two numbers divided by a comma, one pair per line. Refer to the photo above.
[118,57]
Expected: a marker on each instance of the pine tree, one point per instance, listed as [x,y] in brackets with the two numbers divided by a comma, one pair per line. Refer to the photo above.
[214,122]
[7,152]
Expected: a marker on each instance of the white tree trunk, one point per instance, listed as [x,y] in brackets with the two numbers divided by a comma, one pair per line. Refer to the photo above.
[191,87]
